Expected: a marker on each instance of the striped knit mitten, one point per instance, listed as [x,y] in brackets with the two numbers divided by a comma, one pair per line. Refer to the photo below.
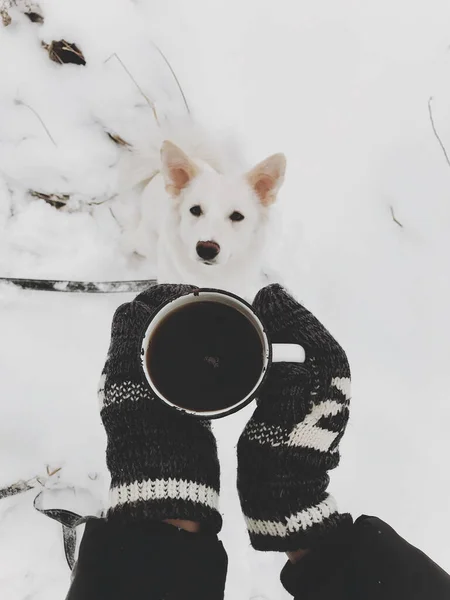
[291,441]
[163,464]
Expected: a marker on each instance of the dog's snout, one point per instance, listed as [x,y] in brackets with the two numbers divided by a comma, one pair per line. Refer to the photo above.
[208,250]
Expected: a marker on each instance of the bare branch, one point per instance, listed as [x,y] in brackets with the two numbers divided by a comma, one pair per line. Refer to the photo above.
[147,99]
[174,76]
[96,202]
[394,217]
[435,131]
[115,218]
[21,103]
[115,137]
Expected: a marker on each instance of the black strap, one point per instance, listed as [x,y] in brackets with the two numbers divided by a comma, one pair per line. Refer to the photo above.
[69,521]
[80,287]
[15,488]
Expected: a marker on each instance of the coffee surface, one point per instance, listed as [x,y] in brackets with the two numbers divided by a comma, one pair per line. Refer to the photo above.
[205,356]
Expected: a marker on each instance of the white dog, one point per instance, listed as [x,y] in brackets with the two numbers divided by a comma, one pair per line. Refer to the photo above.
[207,224]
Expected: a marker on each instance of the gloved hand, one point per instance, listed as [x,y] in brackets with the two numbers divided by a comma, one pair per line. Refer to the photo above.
[292,439]
[163,464]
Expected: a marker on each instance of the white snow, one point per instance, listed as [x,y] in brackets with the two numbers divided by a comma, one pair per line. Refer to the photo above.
[343,89]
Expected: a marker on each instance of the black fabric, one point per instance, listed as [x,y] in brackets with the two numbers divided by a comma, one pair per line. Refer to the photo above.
[156,561]
[372,562]
[148,561]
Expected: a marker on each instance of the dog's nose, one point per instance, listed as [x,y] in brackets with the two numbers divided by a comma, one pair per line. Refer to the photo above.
[208,250]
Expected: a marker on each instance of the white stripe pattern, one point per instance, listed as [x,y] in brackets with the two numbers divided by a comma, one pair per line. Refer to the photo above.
[306,433]
[343,384]
[266,434]
[309,435]
[300,521]
[164,489]
[126,391]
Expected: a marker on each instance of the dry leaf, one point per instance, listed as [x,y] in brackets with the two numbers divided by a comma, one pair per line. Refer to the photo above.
[63,52]
[55,200]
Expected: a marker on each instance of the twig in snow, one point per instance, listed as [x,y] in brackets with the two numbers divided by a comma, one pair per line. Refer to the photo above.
[55,200]
[174,76]
[51,472]
[97,203]
[147,99]
[435,131]
[144,182]
[117,139]
[115,218]
[394,217]
[21,103]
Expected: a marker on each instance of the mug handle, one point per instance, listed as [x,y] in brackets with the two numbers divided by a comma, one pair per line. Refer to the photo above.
[288,353]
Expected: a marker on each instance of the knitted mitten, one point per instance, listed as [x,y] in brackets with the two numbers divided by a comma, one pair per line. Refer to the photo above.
[291,441]
[163,464]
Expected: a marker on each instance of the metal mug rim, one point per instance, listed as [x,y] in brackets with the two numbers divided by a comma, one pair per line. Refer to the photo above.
[216,414]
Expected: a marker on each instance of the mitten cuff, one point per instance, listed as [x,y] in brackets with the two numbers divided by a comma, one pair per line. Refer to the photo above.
[306,528]
[161,499]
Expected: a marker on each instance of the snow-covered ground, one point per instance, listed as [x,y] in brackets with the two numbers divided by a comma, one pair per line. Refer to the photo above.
[343,88]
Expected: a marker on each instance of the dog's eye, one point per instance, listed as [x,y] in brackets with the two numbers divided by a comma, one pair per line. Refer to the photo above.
[237,216]
[196,210]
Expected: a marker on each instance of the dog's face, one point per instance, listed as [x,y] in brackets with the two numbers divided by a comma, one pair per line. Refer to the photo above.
[219,215]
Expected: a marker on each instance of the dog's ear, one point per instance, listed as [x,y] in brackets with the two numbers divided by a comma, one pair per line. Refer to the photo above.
[177,169]
[267,178]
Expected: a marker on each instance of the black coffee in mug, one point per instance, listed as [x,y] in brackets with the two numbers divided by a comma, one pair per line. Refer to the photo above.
[205,356]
